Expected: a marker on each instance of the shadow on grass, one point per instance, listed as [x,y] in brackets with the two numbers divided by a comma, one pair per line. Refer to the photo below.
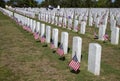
[62,58]
[45,45]
[81,57]
[38,41]
[68,49]
[75,72]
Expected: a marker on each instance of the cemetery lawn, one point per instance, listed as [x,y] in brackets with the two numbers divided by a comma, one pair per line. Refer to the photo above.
[24,59]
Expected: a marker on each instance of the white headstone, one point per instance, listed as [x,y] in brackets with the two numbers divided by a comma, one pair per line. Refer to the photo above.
[39,16]
[105,21]
[90,21]
[28,22]
[34,26]
[118,20]
[64,22]
[46,18]
[60,21]
[49,18]
[85,18]
[97,22]
[77,47]
[80,18]
[94,58]
[115,36]
[69,24]
[102,30]
[58,7]
[56,20]
[53,17]
[112,24]
[42,17]
[76,25]
[83,27]
[55,37]
[64,41]
[42,30]
[76,17]
[38,27]
[31,23]
[26,19]
[48,34]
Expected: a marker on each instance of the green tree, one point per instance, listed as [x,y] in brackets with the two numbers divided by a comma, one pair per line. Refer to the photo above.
[82,3]
[116,4]
[2,3]
[23,3]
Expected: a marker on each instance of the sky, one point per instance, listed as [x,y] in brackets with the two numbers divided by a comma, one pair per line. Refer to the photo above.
[113,0]
[39,0]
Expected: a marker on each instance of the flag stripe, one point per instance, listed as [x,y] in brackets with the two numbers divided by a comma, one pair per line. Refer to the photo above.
[105,37]
[52,46]
[60,52]
[74,65]
[42,39]
[36,36]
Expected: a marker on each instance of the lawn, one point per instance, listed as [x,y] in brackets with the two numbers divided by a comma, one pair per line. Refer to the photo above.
[24,59]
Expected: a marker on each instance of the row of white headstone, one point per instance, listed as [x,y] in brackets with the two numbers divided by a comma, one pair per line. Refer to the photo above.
[66,22]
[94,14]
[6,12]
[78,17]
[22,11]
[114,34]
[94,48]
[94,56]
[80,14]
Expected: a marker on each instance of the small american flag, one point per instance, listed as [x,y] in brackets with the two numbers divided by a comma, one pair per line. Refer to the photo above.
[28,29]
[61,24]
[74,64]
[69,17]
[24,28]
[20,23]
[71,26]
[60,50]
[42,39]
[106,37]
[95,35]
[64,25]
[77,28]
[52,44]
[36,36]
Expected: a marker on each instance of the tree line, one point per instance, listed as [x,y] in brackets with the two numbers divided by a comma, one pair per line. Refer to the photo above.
[83,3]
[63,3]
[19,3]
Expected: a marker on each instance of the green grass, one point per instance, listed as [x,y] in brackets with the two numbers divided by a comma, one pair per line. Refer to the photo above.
[24,59]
